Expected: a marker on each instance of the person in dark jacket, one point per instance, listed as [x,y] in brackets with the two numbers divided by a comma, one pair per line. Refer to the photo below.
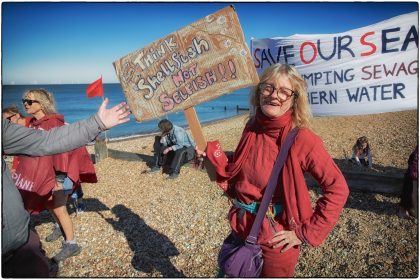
[22,254]
[174,147]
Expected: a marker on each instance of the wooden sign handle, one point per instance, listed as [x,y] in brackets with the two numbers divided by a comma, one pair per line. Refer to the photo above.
[201,142]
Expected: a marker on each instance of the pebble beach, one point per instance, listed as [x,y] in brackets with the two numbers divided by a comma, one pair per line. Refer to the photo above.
[139,224]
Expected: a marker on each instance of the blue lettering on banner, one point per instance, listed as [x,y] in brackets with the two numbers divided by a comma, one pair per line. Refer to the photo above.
[322,97]
[345,46]
[386,40]
[329,77]
[266,56]
[378,92]
[412,36]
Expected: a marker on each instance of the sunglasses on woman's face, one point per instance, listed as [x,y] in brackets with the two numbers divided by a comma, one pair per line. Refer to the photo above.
[10,117]
[29,101]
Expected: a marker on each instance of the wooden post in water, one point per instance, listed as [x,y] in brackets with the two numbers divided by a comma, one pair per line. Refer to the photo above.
[201,142]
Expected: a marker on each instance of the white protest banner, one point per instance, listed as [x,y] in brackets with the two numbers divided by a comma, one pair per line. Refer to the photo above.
[195,64]
[369,70]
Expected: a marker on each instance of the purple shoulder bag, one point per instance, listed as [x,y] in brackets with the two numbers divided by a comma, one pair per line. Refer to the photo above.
[238,258]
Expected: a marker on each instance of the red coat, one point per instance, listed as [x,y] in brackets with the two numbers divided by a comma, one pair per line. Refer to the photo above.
[35,176]
[251,176]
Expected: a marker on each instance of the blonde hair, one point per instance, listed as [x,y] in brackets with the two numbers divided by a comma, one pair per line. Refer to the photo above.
[45,99]
[301,110]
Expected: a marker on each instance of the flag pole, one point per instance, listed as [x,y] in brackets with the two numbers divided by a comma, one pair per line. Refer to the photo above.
[103,99]
[93,90]
[106,137]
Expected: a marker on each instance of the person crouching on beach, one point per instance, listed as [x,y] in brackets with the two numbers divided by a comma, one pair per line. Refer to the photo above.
[53,177]
[174,147]
[278,104]
[362,155]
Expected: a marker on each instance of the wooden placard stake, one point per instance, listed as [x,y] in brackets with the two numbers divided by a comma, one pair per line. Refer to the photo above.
[198,135]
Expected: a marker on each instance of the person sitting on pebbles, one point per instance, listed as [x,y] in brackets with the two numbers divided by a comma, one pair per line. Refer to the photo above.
[174,147]
[362,155]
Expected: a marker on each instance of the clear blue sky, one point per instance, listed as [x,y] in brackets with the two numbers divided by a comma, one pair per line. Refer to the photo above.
[77,42]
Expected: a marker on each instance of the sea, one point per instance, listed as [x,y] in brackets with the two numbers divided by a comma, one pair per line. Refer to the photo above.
[71,101]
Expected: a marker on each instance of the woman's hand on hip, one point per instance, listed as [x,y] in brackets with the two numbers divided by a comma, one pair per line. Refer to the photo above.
[286,239]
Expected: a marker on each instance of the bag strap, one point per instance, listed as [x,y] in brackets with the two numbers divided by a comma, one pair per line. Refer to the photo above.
[271,186]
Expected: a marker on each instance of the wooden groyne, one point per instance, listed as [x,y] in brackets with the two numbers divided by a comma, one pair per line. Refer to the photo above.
[369,183]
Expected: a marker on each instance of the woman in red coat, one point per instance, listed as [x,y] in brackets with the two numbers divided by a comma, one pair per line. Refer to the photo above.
[46,182]
[278,104]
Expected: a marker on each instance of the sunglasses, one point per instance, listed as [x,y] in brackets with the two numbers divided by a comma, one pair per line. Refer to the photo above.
[29,101]
[10,117]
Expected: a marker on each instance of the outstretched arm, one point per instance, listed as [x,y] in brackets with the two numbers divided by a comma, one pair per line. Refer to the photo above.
[21,140]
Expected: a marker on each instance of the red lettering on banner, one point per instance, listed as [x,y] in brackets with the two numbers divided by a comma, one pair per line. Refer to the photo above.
[301,52]
[363,42]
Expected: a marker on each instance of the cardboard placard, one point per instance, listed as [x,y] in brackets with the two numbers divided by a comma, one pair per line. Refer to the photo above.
[195,64]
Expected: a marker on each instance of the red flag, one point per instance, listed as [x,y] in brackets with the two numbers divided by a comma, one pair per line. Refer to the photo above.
[95,89]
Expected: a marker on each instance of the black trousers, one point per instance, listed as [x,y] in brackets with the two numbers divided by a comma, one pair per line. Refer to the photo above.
[407,189]
[174,159]
[29,260]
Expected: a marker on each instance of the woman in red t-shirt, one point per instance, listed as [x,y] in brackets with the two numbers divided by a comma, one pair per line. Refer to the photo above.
[278,104]
[46,182]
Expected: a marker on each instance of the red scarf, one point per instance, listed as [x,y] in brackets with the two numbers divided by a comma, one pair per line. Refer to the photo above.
[225,170]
